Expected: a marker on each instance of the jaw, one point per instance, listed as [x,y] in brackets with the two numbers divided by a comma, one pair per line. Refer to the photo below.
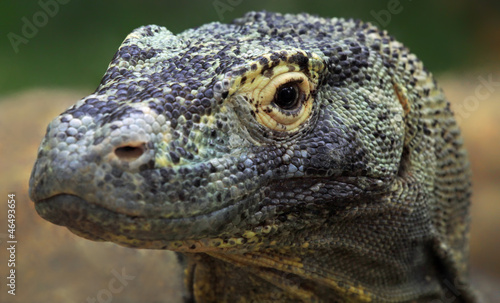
[223,229]
[93,222]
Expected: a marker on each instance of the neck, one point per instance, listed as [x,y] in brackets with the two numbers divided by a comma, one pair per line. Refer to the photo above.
[311,274]
[231,277]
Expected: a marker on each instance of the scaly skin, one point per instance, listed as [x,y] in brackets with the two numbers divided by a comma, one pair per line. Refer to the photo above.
[288,158]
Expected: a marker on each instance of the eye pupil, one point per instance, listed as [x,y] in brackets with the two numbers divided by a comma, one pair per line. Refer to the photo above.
[286,97]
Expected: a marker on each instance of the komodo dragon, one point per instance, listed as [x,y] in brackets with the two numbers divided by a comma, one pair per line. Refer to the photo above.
[289,158]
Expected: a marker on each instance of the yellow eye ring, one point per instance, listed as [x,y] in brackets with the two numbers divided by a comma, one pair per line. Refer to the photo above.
[278,88]
[269,109]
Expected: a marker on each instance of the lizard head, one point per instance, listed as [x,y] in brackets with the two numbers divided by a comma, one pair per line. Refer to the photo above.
[218,133]
[273,132]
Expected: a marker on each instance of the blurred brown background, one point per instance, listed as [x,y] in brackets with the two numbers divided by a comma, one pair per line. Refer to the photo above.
[65,59]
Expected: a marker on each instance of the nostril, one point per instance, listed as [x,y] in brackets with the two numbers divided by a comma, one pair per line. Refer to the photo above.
[130,152]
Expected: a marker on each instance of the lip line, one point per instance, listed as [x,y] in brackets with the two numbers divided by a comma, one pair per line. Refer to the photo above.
[138,216]
[73,213]
[133,217]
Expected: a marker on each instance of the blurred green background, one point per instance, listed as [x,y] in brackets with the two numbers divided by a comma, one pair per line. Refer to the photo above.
[72,47]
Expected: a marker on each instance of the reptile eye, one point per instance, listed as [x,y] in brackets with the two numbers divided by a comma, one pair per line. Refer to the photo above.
[278,96]
[287,97]
[284,102]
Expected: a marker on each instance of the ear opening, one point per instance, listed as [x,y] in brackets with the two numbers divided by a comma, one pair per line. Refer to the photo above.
[404,162]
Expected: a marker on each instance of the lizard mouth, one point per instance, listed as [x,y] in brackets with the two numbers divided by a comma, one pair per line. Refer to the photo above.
[79,216]
[97,223]
[49,209]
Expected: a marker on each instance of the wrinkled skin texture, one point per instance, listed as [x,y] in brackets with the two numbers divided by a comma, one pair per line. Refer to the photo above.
[357,192]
